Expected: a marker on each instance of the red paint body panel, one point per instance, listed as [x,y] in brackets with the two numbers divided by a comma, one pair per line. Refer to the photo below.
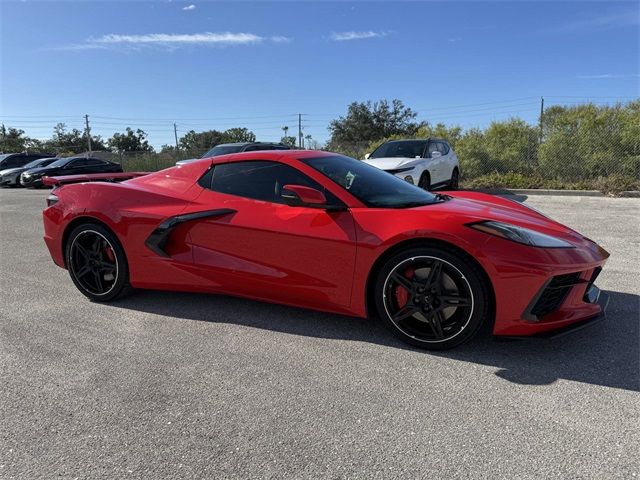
[314,258]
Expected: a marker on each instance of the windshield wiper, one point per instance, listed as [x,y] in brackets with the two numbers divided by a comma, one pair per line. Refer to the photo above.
[442,197]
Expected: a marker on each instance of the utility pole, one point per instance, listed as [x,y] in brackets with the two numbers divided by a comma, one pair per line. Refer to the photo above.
[175,133]
[300,130]
[541,114]
[86,120]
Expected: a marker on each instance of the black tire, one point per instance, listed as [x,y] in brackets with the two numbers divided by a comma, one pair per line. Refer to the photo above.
[425,181]
[92,246]
[454,183]
[430,319]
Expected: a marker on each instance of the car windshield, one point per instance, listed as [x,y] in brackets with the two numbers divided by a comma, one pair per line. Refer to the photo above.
[222,150]
[2,157]
[370,185]
[404,148]
[41,162]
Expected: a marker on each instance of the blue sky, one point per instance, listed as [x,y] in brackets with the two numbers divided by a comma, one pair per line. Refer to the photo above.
[223,64]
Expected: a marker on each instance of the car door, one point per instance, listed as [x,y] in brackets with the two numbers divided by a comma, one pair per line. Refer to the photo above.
[265,249]
[447,161]
[434,162]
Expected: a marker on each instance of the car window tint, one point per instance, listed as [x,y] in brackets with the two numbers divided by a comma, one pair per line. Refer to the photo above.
[443,148]
[403,149]
[433,146]
[260,180]
[94,161]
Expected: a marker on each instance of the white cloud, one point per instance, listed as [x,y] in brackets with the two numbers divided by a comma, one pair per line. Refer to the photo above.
[346,36]
[280,39]
[174,39]
[614,20]
[189,8]
[608,75]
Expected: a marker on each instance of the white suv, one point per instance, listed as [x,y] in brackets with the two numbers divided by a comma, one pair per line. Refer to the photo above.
[429,163]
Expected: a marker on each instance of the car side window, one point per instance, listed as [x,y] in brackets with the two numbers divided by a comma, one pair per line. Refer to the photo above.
[253,148]
[443,148]
[93,161]
[433,146]
[259,180]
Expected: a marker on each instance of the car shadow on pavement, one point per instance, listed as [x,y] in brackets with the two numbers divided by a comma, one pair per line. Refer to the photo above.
[605,354]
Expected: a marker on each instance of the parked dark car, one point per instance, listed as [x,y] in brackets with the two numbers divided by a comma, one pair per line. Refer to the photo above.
[14,160]
[228,148]
[10,177]
[68,166]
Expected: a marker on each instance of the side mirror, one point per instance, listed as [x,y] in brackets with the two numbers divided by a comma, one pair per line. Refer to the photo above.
[366,157]
[436,154]
[301,196]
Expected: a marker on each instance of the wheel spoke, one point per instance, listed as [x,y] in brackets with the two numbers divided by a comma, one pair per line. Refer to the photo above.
[96,247]
[454,301]
[81,250]
[98,279]
[435,320]
[106,266]
[403,281]
[404,312]
[83,271]
[435,274]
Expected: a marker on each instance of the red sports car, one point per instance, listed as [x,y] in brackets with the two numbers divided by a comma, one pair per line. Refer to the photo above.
[327,232]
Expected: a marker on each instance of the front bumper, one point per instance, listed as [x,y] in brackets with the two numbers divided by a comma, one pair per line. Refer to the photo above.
[601,299]
[8,180]
[31,181]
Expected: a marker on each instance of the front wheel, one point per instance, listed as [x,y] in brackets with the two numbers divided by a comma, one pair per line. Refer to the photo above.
[454,183]
[96,262]
[431,298]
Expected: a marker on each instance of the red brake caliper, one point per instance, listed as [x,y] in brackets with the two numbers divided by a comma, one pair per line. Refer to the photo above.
[402,296]
[110,254]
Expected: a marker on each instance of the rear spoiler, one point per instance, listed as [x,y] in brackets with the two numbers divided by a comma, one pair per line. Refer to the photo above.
[91,177]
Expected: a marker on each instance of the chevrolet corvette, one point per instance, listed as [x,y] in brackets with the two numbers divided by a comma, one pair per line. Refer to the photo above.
[322,231]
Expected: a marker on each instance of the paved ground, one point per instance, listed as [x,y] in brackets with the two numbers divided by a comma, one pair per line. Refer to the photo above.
[192,386]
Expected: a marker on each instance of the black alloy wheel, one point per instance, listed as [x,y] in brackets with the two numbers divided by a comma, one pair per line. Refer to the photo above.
[431,298]
[455,180]
[96,262]
[425,181]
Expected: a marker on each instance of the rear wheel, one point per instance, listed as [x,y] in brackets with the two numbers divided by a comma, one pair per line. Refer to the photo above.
[425,181]
[431,297]
[96,262]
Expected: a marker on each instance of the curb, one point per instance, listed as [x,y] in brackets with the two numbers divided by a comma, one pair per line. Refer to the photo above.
[566,193]
[630,194]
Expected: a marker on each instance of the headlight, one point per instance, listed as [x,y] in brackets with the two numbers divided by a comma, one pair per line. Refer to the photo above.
[520,235]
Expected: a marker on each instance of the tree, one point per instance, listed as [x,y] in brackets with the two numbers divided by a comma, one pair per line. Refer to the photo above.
[71,141]
[289,140]
[512,146]
[12,140]
[200,141]
[238,135]
[130,141]
[366,122]
[203,141]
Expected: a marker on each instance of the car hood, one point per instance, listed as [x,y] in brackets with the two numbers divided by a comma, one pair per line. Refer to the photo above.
[43,170]
[391,163]
[7,171]
[468,207]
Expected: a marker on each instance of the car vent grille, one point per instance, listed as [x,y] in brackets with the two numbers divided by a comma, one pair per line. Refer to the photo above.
[554,294]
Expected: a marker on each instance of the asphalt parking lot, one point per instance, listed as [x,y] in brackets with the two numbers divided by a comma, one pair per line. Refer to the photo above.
[192,386]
